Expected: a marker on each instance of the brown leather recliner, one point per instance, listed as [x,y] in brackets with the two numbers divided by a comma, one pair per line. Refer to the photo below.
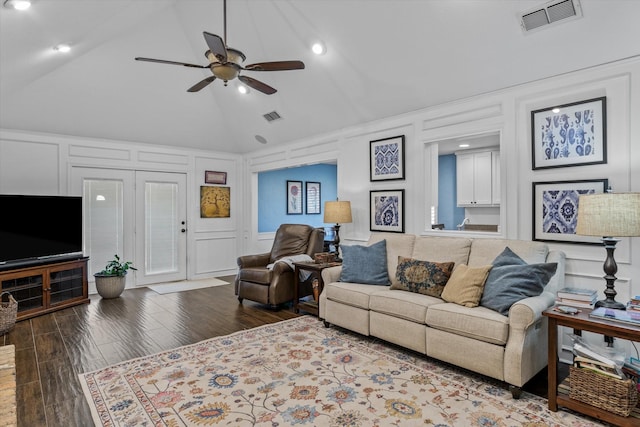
[274,286]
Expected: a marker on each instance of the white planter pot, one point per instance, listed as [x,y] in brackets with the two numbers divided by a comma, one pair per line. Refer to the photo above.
[110,286]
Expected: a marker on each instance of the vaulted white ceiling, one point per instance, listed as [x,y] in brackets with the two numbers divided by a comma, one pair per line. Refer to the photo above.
[384,58]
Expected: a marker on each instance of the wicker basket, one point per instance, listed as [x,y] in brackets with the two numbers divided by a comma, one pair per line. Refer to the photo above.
[8,312]
[602,391]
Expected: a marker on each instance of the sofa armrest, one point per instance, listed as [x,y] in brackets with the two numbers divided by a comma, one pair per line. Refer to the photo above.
[528,311]
[259,260]
[331,274]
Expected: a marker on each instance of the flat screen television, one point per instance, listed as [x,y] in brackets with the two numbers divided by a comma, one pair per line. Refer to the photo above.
[35,228]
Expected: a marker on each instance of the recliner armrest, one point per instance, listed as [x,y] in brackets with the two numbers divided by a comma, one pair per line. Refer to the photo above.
[258,260]
[526,312]
[331,274]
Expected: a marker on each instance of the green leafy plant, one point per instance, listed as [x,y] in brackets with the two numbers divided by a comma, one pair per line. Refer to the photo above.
[115,267]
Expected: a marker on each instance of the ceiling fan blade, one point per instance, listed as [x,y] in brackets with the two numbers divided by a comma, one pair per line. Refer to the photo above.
[162,61]
[216,45]
[201,84]
[276,66]
[257,85]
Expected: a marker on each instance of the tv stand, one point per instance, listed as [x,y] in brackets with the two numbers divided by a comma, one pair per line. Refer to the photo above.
[46,287]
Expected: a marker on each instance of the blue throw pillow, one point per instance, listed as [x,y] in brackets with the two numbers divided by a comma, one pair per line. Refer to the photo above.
[365,264]
[512,279]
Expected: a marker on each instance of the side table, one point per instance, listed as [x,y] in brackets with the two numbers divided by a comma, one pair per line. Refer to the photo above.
[308,306]
[582,322]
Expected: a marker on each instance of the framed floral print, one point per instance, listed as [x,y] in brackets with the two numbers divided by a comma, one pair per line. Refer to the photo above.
[387,211]
[386,157]
[312,190]
[569,135]
[294,197]
[555,209]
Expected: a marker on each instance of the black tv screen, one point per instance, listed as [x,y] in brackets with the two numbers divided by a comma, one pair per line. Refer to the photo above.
[39,227]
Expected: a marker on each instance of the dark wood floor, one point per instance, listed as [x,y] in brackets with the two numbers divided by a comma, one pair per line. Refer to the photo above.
[51,350]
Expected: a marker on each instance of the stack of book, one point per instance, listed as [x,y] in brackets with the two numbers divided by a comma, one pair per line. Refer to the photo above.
[577,297]
[585,358]
[634,303]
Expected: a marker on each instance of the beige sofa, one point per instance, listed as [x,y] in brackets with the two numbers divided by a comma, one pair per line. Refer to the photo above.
[509,348]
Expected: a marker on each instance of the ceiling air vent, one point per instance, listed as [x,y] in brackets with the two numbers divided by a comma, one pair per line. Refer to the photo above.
[550,13]
[271,116]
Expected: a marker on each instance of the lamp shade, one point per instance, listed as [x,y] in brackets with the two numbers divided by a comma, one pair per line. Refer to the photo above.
[337,212]
[609,215]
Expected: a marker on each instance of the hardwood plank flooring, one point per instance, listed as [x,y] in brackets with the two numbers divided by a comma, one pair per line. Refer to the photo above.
[51,350]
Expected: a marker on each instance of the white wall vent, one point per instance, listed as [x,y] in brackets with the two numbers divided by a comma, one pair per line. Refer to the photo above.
[550,13]
[271,116]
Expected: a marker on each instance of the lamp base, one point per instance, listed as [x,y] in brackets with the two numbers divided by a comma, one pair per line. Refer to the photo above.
[610,304]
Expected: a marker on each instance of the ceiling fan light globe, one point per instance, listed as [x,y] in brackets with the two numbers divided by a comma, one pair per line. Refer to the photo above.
[235,56]
[225,72]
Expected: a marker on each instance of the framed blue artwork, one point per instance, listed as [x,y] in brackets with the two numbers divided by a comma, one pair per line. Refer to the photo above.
[569,135]
[386,159]
[555,209]
[387,211]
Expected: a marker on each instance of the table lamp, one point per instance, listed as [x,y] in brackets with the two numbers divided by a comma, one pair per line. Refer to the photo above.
[609,215]
[337,212]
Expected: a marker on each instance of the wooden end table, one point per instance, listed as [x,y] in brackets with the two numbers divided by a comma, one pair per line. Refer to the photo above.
[582,322]
[309,306]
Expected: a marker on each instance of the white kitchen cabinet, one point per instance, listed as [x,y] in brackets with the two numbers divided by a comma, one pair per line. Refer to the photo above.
[476,177]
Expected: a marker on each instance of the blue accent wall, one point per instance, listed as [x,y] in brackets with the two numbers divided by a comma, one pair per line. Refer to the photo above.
[449,213]
[272,195]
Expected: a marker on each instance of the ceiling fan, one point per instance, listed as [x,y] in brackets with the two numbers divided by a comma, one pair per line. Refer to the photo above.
[226,63]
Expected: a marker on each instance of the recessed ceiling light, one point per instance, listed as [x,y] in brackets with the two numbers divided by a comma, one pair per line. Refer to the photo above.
[261,139]
[319,48]
[243,89]
[17,4]
[64,48]
[556,110]
[463,145]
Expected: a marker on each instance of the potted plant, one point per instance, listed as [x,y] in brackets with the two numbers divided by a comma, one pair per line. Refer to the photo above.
[110,281]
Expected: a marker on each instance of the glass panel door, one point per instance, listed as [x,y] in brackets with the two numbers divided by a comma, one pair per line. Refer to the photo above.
[161,227]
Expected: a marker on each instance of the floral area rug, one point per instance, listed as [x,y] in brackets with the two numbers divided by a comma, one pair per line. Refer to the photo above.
[299,373]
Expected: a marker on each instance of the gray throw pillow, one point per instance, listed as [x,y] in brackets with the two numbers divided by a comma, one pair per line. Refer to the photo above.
[365,264]
[512,279]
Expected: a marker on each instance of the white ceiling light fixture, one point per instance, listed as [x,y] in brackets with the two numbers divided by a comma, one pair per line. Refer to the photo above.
[64,48]
[243,89]
[17,4]
[319,48]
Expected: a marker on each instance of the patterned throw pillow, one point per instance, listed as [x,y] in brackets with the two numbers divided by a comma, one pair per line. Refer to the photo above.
[423,277]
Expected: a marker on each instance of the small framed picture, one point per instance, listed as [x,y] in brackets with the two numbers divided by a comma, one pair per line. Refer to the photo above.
[213,177]
[386,157]
[555,209]
[387,211]
[312,190]
[294,198]
[215,201]
[569,135]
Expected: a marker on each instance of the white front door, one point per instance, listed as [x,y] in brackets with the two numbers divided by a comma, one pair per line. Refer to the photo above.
[161,228]
[140,216]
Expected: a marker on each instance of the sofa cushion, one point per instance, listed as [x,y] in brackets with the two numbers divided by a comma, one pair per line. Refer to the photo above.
[484,251]
[398,244]
[365,264]
[478,322]
[466,284]
[401,304]
[423,277]
[512,279]
[442,249]
[354,294]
